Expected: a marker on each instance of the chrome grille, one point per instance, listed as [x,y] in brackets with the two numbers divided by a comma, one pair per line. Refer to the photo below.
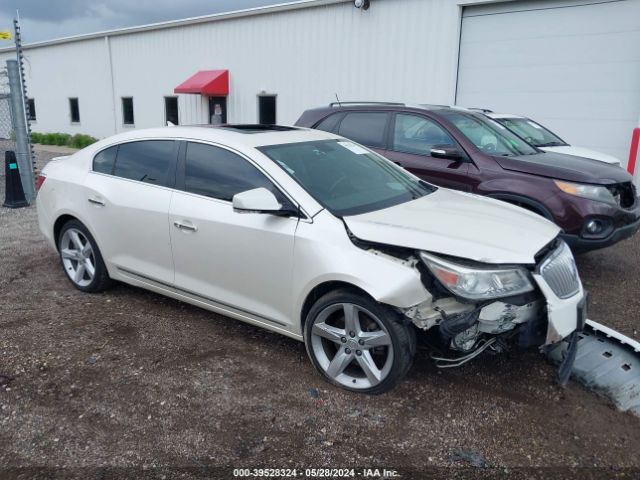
[560,272]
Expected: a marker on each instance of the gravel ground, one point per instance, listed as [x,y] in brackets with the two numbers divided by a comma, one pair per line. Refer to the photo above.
[128,383]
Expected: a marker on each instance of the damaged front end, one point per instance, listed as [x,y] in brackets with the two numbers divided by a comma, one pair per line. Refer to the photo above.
[475,307]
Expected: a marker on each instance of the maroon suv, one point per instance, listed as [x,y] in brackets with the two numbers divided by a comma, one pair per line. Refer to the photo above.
[594,203]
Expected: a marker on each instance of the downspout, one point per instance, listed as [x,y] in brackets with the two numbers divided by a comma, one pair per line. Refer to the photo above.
[107,44]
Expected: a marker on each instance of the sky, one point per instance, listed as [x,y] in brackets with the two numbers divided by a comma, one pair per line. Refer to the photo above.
[49,19]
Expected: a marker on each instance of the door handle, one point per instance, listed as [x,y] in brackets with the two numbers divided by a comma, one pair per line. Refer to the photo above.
[186,227]
[97,202]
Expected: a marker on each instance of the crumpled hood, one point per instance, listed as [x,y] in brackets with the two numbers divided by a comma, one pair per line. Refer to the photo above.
[584,153]
[565,167]
[458,224]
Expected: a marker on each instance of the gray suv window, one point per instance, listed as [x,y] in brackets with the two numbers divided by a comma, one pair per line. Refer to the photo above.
[365,128]
[329,123]
[417,134]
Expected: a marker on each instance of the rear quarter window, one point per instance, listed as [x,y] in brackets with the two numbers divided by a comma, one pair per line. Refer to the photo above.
[103,162]
[329,124]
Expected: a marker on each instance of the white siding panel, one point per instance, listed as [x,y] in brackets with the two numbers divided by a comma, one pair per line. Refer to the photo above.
[56,73]
[402,50]
[574,68]
[395,51]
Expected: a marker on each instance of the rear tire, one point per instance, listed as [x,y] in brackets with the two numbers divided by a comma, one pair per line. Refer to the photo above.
[81,259]
[358,344]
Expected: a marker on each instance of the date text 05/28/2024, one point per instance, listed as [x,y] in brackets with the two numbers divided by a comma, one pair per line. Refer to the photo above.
[315,473]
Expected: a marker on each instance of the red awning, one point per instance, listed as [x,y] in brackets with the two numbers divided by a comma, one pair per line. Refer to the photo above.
[206,82]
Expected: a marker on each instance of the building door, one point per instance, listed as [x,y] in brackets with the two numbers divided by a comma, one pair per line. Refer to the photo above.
[571,65]
[171,110]
[217,110]
[267,109]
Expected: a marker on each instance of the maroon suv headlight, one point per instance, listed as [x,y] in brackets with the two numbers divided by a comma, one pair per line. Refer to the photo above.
[598,193]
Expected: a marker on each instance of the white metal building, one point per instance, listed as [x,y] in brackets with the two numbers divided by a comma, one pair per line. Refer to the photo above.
[573,65]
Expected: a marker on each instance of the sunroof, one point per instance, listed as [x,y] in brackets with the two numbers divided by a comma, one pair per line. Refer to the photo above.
[257,128]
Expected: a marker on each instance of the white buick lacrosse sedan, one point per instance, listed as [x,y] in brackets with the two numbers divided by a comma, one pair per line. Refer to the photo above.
[310,235]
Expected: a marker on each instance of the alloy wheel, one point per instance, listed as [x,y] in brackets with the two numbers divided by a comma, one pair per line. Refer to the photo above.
[78,257]
[352,345]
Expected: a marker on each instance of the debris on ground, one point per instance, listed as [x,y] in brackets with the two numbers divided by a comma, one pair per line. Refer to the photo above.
[472,457]
[5,379]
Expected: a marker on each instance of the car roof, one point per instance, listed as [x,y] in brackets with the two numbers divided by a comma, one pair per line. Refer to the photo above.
[393,106]
[235,136]
[503,115]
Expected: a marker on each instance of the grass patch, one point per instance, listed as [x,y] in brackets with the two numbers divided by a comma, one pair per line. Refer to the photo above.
[63,139]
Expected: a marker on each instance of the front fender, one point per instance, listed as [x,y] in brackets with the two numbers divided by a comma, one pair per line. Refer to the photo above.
[324,253]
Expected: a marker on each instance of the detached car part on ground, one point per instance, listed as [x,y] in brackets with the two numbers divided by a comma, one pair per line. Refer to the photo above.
[313,236]
[594,203]
[544,139]
[607,362]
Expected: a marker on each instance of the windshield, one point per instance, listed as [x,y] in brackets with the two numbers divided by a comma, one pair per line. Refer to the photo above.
[346,178]
[532,132]
[488,135]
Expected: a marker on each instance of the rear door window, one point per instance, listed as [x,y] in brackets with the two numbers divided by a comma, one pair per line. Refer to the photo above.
[329,124]
[367,128]
[418,135]
[147,161]
[218,173]
[104,161]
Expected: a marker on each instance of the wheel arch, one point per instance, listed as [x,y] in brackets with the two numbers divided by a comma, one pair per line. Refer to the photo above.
[324,288]
[59,223]
[524,202]
[62,219]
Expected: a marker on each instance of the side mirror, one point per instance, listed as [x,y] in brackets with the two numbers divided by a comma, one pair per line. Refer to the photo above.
[259,200]
[446,151]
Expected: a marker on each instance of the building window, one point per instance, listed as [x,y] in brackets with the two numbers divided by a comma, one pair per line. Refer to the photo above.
[31,105]
[267,109]
[74,110]
[171,110]
[127,110]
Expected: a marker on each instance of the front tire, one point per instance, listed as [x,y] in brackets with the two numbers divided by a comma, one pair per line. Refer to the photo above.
[357,343]
[81,258]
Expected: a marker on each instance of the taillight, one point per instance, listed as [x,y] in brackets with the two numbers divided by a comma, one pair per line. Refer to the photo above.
[40,181]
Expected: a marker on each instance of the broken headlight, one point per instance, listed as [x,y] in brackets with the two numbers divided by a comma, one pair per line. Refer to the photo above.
[478,283]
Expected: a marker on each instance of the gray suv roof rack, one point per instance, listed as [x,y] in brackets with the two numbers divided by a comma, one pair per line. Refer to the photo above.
[333,104]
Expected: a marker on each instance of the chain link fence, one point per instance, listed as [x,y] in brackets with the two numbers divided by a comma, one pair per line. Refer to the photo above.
[7,133]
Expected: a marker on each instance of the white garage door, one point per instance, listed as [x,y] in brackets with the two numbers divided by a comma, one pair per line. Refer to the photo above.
[572,65]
